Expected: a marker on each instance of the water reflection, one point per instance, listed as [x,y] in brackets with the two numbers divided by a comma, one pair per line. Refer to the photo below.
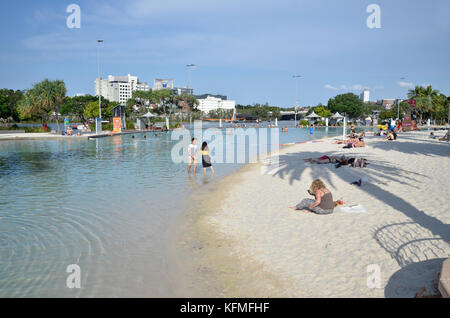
[105,204]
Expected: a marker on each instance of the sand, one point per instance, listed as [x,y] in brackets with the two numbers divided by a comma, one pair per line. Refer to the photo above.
[247,243]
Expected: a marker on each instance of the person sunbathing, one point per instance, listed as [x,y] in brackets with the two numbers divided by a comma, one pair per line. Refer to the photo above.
[347,141]
[324,159]
[354,162]
[357,144]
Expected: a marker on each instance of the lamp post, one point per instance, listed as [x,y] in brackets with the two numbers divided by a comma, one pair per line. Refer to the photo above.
[97,125]
[398,103]
[296,77]
[190,68]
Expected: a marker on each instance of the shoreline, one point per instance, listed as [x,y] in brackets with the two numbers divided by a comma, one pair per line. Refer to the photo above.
[244,245]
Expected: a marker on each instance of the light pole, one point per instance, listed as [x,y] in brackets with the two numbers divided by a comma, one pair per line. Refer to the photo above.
[398,103]
[98,127]
[190,68]
[296,77]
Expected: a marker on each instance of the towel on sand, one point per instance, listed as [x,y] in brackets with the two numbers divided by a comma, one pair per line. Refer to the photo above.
[354,209]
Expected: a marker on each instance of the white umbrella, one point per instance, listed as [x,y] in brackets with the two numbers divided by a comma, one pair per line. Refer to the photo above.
[149,115]
[313,115]
[337,115]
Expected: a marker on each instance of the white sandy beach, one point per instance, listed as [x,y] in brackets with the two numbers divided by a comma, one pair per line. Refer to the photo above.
[249,244]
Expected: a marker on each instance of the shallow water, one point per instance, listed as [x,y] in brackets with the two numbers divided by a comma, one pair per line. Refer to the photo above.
[105,204]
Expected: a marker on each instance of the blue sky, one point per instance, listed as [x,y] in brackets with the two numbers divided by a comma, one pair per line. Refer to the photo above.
[247,50]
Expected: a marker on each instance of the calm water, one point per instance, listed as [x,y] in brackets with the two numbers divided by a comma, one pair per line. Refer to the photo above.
[105,204]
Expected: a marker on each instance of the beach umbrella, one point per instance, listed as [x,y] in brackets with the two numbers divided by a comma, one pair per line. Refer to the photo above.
[149,115]
[313,115]
[337,115]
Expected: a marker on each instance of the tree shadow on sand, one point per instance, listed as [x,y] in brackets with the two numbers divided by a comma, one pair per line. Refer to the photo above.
[417,246]
[291,166]
[429,147]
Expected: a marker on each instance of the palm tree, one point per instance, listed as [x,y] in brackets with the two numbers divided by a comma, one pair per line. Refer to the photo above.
[423,97]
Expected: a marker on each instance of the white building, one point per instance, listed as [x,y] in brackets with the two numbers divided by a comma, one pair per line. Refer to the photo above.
[365,96]
[213,103]
[119,88]
[159,83]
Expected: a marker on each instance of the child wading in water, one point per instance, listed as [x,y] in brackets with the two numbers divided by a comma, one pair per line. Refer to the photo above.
[206,159]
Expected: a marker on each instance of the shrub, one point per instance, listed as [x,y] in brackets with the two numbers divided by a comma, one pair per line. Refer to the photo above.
[104,127]
[34,130]
[130,124]
[304,123]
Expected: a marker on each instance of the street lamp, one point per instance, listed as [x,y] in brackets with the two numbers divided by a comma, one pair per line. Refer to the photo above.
[296,77]
[190,68]
[98,126]
[398,103]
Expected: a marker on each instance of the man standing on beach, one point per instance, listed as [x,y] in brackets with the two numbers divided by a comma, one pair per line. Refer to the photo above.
[192,152]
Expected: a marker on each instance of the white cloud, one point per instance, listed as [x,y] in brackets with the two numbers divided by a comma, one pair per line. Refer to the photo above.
[405,84]
[328,86]
[379,87]
[356,87]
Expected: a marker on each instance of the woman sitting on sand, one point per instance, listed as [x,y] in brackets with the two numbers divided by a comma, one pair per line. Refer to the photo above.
[323,204]
[391,136]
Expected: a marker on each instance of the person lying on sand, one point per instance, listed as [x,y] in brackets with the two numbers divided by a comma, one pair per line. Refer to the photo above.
[355,162]
[325,159]
[347,141]
[357,144]
[323,204]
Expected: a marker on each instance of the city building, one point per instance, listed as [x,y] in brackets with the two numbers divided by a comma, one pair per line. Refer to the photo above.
[365,96]
[203,96]
[213,103]
[119,88]
[159,83]
[169,83]
[387,103]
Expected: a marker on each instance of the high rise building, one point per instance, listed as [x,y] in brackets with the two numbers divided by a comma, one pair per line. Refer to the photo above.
[169,83]
[119,88]
[365,96]
[213,103]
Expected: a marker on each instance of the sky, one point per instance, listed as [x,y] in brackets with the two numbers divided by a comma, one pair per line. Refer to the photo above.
[248,50]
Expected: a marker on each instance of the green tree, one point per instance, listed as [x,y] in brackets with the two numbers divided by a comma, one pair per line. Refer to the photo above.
[44,100]
[52,94]
[92,111]
[9,101]
[349,103]
[322,111]
[31,108]
[424,99]
[166,103]
[75,106]
[137,104]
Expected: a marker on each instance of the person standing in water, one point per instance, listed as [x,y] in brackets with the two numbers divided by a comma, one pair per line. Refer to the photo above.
[192,153]
[311,131]
[206,158]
